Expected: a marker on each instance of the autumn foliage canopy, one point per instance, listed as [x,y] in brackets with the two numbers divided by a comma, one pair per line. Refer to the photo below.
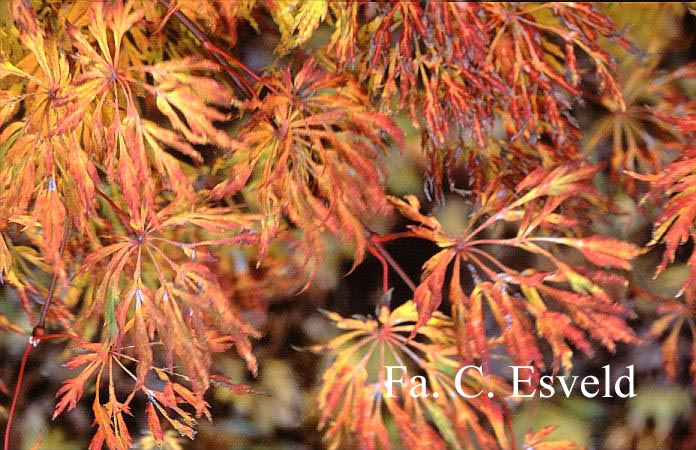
[157,194]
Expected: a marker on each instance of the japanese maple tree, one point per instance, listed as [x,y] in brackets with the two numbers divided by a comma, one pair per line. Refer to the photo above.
[155,190]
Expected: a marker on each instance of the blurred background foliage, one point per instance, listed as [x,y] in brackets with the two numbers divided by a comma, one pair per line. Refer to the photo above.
[661,416]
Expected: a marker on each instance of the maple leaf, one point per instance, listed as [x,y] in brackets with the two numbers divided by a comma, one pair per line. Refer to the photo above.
[643,132]
[72,388]
[153,424]
[435,78]
[354,393]
[675,316]
[184,304]
[459,65]
[297,20]
[675,224]
[521,300]
[169,398]
[93,111]
[31,160]
[316,149]
[523,49]
[108,418]
[179,92]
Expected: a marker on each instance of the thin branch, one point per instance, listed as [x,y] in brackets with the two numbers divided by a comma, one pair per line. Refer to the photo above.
[15,397]
[216,52]
[40,327]
[37,334]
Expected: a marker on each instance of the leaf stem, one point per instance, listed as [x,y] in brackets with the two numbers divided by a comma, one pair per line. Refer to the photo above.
[125,219]
[385,268]
[373,241]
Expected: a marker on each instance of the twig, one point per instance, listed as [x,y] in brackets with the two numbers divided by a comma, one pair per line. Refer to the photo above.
[216,52]
[20,377]
[40,328]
